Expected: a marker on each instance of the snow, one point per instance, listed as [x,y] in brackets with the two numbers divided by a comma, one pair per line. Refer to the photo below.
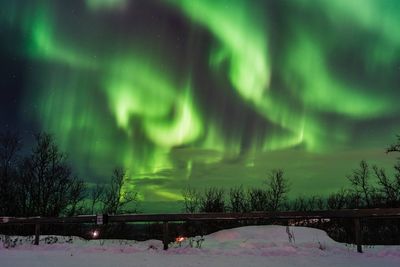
[244,246]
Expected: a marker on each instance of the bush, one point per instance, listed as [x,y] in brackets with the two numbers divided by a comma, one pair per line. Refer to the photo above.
[212,200]
[238,200]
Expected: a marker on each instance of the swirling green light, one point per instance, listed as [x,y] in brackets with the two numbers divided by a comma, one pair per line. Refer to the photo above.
[126,96]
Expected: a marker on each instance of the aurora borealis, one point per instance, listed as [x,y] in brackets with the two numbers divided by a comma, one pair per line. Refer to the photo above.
[206,92]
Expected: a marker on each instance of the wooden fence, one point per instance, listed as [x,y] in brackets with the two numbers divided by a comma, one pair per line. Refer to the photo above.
[356,215]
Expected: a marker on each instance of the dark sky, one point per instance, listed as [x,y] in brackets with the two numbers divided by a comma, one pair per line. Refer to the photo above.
[205,92]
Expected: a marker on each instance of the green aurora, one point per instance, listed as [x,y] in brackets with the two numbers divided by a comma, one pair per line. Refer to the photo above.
[211,92]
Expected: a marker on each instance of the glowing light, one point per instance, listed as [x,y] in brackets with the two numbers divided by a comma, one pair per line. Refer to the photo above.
[180,239]
[177,89]
[95,234]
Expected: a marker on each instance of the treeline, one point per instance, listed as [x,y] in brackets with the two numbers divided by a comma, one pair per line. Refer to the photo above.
[271,196]
[368,187]
[41,183]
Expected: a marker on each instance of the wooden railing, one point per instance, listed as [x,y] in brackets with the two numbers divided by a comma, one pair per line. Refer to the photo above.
[355,214]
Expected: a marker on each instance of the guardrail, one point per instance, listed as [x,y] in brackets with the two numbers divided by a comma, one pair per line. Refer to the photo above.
[355,214]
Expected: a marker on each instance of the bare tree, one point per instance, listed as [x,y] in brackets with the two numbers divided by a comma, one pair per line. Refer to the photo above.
[258,199]
[77,189]
[387,187]
[116,199]
[47,186]
[278,187]
[359,179]
[10,144]
[316,203]
[300,204]
[337,200]
[238,200]
[396,148]
[212,200]
[96,196]
[191,199]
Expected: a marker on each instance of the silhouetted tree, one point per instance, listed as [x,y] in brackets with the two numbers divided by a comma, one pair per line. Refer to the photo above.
[388,188]
[116,199]
[47,186]
[258,199]
[96,196]
[238,200]
[359,179]
[337,200]
[212,200]
[191,199]
[77,191]
[303,203]
[316,203]
[396,148]
[300,204]
[278,187]
[10,145]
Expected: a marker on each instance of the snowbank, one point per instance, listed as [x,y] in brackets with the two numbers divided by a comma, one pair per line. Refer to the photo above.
[246,246]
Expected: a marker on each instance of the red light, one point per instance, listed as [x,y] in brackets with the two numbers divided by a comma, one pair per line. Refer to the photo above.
[180,239]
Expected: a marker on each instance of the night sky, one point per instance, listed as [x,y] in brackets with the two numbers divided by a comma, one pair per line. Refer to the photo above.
[205,92]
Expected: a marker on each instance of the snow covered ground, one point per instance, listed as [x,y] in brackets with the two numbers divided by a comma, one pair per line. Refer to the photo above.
[245,246]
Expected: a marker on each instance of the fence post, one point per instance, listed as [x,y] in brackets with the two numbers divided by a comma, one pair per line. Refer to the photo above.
[165,235]
[357,229]
[37,233]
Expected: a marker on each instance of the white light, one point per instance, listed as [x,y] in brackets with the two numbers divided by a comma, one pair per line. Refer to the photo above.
[95,233]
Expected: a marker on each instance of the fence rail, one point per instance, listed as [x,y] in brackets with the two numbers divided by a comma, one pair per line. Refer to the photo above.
[354,214]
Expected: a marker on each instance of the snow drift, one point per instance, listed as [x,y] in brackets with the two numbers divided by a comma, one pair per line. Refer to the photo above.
[244,246]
